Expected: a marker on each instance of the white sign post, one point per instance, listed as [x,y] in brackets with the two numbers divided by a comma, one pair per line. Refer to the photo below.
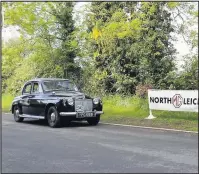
[150,115]
[172,100]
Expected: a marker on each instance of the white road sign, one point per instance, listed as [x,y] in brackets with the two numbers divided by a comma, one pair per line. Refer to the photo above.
[173,100]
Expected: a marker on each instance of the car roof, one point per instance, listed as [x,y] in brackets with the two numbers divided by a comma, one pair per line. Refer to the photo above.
[45,79]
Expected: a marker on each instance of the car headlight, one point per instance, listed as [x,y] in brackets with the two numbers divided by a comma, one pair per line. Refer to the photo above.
[70,101]
[96,101]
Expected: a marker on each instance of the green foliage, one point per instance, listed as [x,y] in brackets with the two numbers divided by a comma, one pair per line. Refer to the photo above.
[68,48]
[47,46]
[188,79]
[32,18]
[120,47]
[185,16]
[6,101]
[130,51]
[11,60]
[172,5]
[133,110]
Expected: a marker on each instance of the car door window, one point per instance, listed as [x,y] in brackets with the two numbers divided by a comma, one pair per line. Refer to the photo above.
[27,89]
[35,88]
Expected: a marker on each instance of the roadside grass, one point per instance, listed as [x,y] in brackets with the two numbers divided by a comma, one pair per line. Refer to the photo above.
[133,111]
[6,101]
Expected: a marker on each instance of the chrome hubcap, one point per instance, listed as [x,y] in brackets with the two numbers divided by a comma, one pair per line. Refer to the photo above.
[17,113]
[52,116]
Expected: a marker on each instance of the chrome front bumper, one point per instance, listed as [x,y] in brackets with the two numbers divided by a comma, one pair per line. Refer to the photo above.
[75,113]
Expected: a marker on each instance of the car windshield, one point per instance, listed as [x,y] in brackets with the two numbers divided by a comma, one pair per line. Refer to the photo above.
[59,85]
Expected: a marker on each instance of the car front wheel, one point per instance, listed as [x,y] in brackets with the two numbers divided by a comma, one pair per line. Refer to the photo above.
[16,114]
[53,117]
[94,121]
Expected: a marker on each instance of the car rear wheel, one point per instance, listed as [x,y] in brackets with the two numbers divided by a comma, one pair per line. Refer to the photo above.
[17,118]
[53,117]
[94,121]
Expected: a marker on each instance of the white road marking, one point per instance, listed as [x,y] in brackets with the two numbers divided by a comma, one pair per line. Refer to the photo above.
[155,128]
[7,113]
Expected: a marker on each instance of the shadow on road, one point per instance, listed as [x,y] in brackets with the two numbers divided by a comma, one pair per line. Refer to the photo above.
[64,124]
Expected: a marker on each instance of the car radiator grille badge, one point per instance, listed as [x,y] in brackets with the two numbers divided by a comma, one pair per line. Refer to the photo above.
[83,105]
[79,108]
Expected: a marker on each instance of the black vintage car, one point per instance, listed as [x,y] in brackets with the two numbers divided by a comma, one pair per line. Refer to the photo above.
[57,101]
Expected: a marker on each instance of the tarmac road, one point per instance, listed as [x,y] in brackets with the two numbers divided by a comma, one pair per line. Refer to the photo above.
[33,147]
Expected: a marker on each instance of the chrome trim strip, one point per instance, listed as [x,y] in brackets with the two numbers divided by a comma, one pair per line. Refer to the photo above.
[67,113]
[99,112]
[31,116]
[74,113]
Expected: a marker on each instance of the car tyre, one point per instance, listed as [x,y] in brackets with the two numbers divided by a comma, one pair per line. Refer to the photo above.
[17,111]
[93,121]
[53,117]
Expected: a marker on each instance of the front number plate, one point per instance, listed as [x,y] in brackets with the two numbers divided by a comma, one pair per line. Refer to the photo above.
[83,115]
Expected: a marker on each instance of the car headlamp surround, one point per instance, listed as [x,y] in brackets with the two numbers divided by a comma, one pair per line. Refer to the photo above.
[96,101]
[68,101]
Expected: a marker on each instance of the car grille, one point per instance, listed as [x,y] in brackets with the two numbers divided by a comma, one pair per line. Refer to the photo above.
[83,105]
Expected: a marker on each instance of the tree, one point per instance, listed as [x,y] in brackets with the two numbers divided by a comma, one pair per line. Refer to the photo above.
[65,33]
[130,49]
[157,41]
[16,67]
[185,19]
[47,34]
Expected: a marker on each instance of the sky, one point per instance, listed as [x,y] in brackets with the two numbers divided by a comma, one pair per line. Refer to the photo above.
[180,45]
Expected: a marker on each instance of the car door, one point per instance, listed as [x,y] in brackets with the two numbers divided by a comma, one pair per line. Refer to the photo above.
[35,99]
[25,103]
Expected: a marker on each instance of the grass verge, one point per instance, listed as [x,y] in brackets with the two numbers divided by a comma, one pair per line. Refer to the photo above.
[6,101]
[133,111]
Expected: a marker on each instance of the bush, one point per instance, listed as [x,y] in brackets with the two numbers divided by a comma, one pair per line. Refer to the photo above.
[6,102]
[142,90]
